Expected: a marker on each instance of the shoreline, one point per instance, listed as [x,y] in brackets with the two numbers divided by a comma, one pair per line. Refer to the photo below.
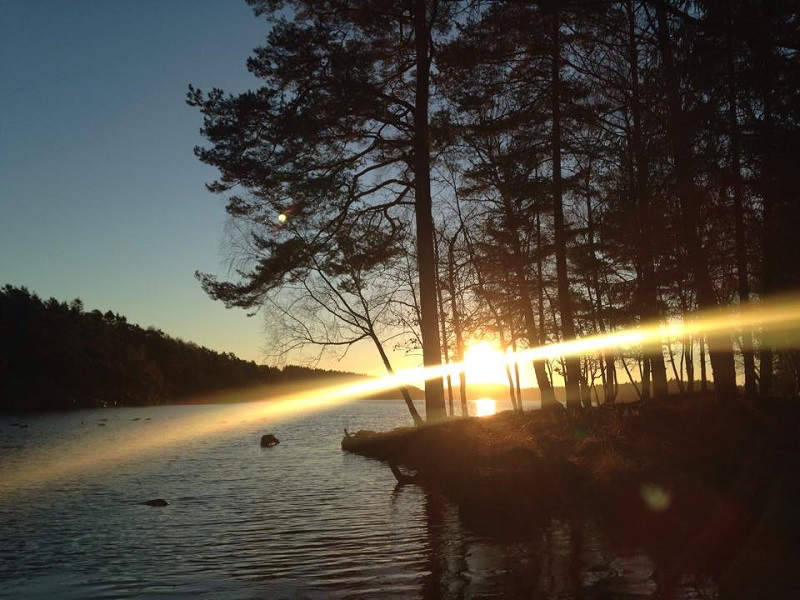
[712,489]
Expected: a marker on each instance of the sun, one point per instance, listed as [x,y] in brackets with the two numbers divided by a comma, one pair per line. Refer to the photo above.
[484,363]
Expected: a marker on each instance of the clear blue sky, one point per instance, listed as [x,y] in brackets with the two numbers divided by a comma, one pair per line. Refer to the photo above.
[101,196]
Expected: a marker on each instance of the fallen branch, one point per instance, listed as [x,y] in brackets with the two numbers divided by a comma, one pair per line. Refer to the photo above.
[401,477]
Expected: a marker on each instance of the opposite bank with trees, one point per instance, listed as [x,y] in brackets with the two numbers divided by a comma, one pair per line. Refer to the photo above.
[425,172]
[56,355]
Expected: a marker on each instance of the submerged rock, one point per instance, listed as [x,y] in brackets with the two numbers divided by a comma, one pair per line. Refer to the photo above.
[268,441]
[155,502]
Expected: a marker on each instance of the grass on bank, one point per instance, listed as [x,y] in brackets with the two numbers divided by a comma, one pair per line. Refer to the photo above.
[705,486]
[679,455]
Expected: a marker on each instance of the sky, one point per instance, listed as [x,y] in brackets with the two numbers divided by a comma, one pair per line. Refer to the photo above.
[101,196]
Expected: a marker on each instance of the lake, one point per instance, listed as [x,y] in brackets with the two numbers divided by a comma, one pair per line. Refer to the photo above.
[301,520]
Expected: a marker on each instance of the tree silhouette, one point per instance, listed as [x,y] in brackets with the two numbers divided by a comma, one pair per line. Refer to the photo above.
[338,127]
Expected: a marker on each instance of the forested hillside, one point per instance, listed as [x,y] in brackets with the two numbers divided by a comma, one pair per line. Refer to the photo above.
[56,354]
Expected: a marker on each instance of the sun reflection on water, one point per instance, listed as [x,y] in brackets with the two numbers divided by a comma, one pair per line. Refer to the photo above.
[485,407]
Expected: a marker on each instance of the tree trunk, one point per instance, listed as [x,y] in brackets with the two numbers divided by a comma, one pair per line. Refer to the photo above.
[457,328]
[703,375]
[532,331]
[607,370]
[630,378]
[572,366]
[648,297]
[770,240]
[418,420]
[750,388]
[678,376]
[769,258]
[687,343]
[435,408]
[585,386]
[517,383]
[512,391]
[688,352]
[547,395]
[443,324]
[446,351]
[612,381]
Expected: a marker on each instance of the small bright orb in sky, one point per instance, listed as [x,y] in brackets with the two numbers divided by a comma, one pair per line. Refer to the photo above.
[485,407]
[282,217]
[484,363]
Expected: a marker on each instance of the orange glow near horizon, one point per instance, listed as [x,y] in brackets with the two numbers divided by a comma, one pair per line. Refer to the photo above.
[777,320]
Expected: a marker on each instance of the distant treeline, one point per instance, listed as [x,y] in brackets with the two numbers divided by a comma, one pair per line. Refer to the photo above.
[57,355]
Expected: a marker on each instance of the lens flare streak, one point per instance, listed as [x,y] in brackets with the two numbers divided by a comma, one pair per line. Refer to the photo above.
[777,321]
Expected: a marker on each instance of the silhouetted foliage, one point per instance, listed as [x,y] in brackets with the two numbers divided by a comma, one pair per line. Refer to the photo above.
[56,355]
[595,166]
[339,124]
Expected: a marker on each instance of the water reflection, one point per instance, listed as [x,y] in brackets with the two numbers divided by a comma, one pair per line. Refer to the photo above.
[303,520]
[563,558]
[485,407]
[581,557]
[447,553]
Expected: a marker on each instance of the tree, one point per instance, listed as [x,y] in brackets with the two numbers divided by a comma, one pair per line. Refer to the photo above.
[343,296]
[765,35]
[491,80]
[720,348]
[654,354]
[339,127]
[56,355]
[572,365]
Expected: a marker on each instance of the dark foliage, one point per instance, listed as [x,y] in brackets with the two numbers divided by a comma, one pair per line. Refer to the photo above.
[710,489]
[56,355]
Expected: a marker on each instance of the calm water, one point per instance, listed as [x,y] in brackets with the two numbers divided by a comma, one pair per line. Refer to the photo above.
[300,520]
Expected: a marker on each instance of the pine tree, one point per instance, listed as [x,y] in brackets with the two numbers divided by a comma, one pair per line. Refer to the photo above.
[339,126]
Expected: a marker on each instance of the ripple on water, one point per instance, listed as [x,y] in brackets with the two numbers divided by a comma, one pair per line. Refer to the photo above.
[300,520]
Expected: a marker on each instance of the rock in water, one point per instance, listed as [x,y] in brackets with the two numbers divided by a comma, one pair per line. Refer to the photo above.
[268,440]
[156,502]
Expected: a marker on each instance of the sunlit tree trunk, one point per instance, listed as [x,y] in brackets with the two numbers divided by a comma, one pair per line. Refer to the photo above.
[687,344]
[677,374]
